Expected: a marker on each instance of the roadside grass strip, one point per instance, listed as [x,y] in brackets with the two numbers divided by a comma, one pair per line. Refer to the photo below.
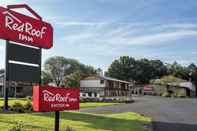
[79,121]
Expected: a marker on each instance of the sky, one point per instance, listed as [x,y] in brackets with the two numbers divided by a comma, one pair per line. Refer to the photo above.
[96,32]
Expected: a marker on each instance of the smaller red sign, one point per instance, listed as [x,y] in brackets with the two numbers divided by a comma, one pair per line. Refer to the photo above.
[148,88]
[49,98]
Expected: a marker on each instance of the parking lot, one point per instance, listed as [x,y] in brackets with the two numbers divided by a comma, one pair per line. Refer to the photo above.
[169,114]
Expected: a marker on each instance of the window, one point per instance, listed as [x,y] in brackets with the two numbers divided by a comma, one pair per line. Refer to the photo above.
[19,89]
[102,81]
[89,94]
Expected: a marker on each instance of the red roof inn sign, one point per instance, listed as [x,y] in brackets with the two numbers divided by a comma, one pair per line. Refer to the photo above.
[55,99]
[24,29]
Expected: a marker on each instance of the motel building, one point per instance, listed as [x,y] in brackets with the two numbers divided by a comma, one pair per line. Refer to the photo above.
[16,89]
[102,86]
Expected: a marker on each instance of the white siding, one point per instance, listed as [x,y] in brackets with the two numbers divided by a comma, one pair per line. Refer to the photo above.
[91,83]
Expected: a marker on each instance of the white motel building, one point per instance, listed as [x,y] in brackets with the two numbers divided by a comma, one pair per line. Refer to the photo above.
[102,86]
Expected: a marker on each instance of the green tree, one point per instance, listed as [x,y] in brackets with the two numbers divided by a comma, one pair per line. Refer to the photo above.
[168,79]
[46,78]
[57,68]
[179,71]
[192,67]
[142,71]
[73,80]
[123,68]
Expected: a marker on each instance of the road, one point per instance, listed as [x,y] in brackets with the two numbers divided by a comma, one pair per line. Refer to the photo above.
[169,114]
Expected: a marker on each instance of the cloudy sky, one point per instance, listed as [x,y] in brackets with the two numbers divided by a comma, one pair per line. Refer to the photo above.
[98,31]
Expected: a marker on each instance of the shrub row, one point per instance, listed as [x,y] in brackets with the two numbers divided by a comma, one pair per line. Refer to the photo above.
[180,95]
[106,100]
[20,108]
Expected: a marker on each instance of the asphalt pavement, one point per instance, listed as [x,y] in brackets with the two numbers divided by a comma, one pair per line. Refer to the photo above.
[169,114]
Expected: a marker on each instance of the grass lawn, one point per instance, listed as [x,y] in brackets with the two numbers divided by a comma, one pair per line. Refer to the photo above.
[79,121]
[82,105]
[95,104]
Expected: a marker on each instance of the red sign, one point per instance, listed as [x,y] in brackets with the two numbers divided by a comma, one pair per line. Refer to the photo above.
[148,88]
[24,29]
[55,99]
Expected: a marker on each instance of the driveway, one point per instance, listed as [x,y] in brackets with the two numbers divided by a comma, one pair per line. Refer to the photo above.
[169,114]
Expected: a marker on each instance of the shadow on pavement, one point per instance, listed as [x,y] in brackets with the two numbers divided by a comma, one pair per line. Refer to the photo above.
[164,126]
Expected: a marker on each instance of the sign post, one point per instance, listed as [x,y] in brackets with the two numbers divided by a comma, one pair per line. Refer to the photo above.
[26,30]
[23,60]
[5,81]
[47,98]
[57,120]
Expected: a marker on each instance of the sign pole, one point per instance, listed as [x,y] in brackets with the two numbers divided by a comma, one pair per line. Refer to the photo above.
[57,120]
[6,79]
[40,82]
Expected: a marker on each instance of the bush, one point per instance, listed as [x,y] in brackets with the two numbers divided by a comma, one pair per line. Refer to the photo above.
[68,128]
[1,108]
[28,106]
[166,94]
[28,97]
[18,127]
[174,95]
[17,107]
[83,100]
[110,100]
[181,94]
